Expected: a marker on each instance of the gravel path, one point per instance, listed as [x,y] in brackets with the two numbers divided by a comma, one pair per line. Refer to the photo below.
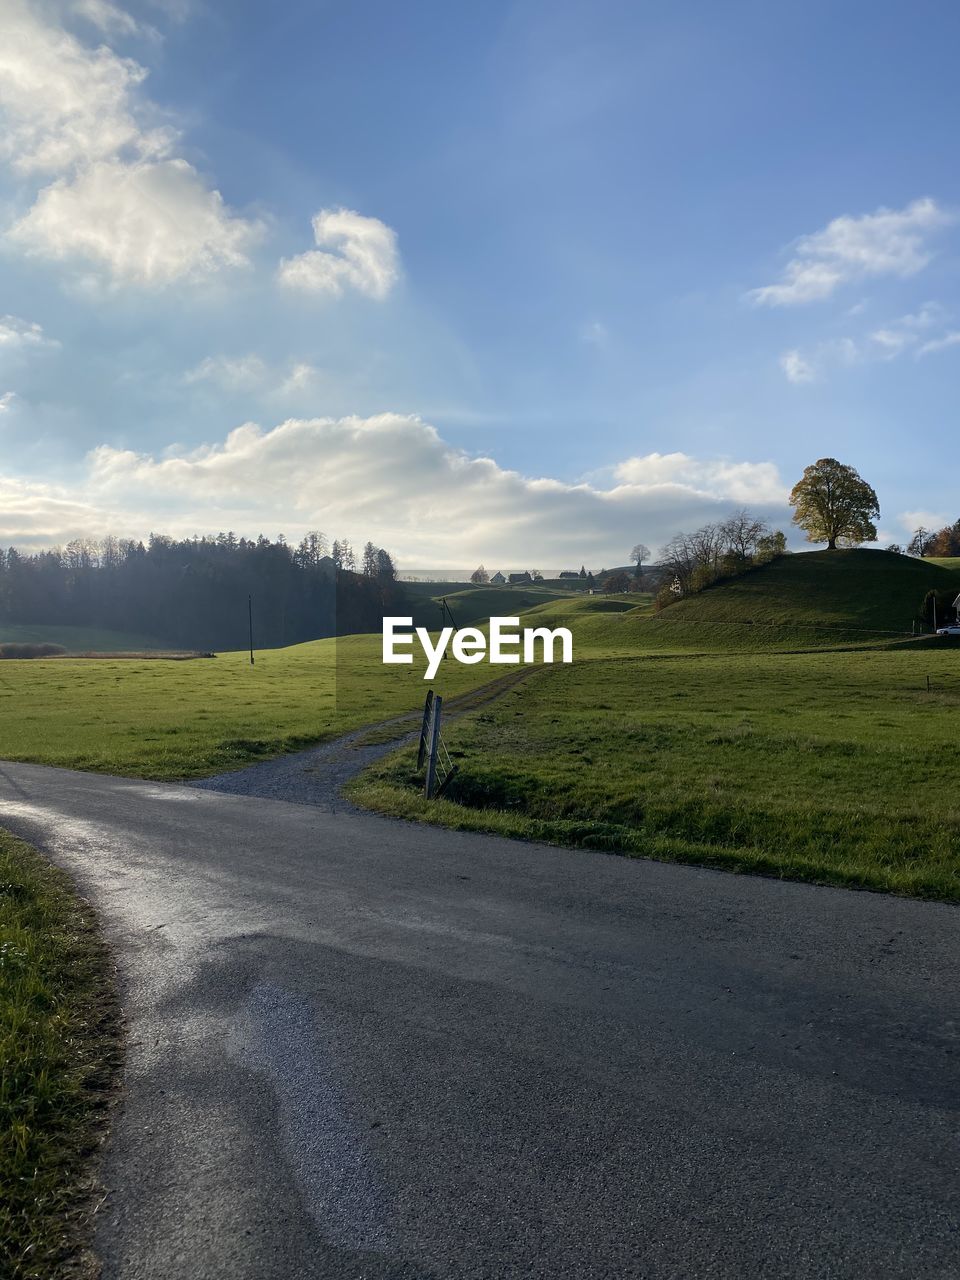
[317,775]
[312,777]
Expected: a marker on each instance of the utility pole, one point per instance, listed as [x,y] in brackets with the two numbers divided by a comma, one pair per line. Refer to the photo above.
[250,621]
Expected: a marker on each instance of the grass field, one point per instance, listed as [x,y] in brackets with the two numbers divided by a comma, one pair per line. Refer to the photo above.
[839,768]
[59,1032]
[169,720]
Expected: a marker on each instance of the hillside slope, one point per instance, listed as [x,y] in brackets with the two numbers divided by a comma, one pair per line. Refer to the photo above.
[850,590]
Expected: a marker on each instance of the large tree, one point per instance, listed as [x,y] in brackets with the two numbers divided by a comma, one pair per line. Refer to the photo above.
[834,504]
[639,553]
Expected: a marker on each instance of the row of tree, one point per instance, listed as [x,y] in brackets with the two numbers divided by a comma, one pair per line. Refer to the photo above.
[192,593]
[716,552]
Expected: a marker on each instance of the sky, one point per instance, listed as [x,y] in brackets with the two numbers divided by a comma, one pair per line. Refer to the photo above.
[514,283]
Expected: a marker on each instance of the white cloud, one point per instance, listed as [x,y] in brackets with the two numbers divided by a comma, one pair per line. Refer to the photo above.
[364,257]
[147,223]
[6,400]
[796,367]
[17,334]
[716,479]
[301,377]
[929,520]
[393,479]
[888,242]
[120,198]
[107,18]
[950,339]
[242,373]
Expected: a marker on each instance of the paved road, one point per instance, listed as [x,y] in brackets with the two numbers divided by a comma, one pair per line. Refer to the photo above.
[361,1048]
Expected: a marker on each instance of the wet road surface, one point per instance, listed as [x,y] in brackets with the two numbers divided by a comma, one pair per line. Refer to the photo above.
[363,1048]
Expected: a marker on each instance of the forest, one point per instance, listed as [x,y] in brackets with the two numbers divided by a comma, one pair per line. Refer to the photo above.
[193,593]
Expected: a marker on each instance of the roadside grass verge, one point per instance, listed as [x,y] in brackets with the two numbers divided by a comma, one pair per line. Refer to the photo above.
[59,1060]
[837,768]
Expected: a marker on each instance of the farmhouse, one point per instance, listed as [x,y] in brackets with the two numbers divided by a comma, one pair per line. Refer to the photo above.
[520,577]
[498,580]
[569,573]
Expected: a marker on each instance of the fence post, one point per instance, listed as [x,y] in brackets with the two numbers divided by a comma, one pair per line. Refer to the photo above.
[431,782]
[424,729]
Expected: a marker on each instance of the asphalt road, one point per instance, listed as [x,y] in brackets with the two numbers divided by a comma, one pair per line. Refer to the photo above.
[359,1048]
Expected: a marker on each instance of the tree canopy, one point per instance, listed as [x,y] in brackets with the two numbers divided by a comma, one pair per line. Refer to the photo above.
[834,504]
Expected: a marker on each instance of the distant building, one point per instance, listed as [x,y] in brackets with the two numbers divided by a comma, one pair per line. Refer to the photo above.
[498,580]
[520,577]
[569,573]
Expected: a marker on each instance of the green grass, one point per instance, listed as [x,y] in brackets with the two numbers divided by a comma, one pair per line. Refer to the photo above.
[170,720]
[838,768]
[59,1032]
[79,639]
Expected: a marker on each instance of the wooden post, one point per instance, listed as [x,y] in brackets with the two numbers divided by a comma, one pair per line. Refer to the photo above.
[250,621]
[430,784]
[424,729]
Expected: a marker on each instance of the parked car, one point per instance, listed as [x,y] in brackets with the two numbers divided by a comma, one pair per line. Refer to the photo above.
[952,629]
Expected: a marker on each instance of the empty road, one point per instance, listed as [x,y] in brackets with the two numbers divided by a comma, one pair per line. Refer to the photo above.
[361,1048]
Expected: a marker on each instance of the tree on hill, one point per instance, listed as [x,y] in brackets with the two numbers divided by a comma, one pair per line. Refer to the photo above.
[639,553]
[618,582]
[833,504]
[583,571]
[479,576]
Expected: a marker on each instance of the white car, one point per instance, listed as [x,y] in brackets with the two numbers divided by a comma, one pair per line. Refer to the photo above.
[952,629]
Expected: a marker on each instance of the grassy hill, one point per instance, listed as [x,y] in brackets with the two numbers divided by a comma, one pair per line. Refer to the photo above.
[820,591]
[471,605]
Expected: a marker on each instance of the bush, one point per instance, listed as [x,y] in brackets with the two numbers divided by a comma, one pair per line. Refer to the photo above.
[31,650]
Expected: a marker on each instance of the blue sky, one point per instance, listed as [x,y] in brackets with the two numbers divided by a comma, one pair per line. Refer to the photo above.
[581,275]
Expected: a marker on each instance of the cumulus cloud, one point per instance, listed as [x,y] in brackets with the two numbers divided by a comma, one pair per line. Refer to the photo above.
[146,223]
[392,478]
[6,400]
[354,252]
[888,242]
[796,367]
[120,198]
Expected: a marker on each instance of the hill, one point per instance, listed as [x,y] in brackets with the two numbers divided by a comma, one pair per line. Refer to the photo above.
[472,605]
[824,591]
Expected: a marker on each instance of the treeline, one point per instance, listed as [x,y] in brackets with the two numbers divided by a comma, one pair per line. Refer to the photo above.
[691,562]
[192,593]
[944,542]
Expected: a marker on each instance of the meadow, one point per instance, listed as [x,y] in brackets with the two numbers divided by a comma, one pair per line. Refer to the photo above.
[170,720]
[837,767]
